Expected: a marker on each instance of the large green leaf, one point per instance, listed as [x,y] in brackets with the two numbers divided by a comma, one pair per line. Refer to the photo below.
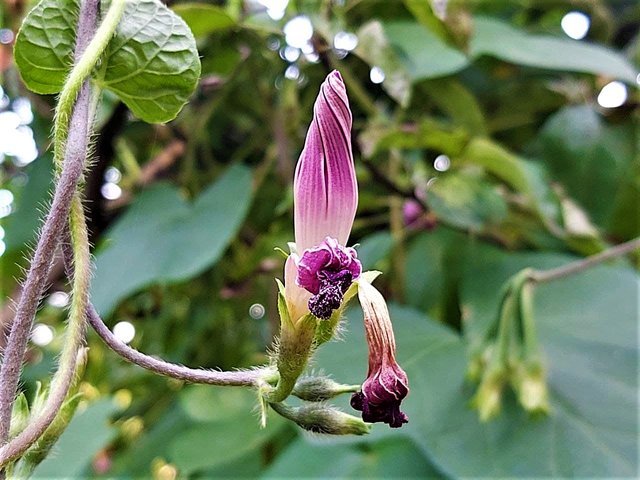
[588,333]
[151,63]
[382,459]
[161,238]
[495,38]
[421,52]
[44,46]
[75,449]
[591,159]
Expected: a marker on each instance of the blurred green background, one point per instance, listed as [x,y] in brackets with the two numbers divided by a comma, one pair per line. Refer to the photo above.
[489,136]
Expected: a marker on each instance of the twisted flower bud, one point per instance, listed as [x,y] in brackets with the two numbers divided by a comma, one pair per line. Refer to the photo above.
[325,202]
[386,384]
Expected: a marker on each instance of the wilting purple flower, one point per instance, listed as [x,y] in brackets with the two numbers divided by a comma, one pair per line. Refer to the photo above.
[325,202]
[386,384]
[327,271]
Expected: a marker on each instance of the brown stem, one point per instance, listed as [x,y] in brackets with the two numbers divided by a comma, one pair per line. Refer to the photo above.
[544,276]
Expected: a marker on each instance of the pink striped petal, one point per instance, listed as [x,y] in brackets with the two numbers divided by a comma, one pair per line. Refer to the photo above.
[325,189]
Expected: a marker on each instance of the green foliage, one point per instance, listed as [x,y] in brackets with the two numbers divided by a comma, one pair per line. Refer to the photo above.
[151,64]
[502,41]
[172,240]
[539,176]
[589,431]
[75,449]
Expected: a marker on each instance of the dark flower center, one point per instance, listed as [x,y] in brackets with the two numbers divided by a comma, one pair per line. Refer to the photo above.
[333,286]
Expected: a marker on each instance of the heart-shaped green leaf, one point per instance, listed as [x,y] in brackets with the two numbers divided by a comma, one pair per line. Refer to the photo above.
[163,238]
[151,63]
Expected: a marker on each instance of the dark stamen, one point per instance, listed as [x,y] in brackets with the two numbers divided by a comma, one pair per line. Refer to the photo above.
[333,286]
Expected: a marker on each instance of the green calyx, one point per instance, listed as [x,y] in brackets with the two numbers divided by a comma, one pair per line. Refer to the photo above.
[322,418]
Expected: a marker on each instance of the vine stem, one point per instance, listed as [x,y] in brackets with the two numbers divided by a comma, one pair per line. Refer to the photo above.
[86,59]
[544,276]
[253,377]
[70,151]
[173,370]
[63,378]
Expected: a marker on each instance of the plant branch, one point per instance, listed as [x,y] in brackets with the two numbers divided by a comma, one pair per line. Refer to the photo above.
[173,370]
[87,55]
[162,367]
[63,378]
[73,165]
[544,276]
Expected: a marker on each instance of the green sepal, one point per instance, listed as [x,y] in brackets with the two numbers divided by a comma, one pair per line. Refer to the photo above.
[318,389]
[281,251]
[283,308]
[294,350]
[323,418]
[19,415]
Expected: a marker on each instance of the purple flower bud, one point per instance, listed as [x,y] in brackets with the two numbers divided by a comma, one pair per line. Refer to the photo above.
[325,189]
[327,271]
[386,384]
[325,202]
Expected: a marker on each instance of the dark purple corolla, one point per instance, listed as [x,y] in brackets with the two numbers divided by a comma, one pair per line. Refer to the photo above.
[327,271]
[386,384]
[325,200]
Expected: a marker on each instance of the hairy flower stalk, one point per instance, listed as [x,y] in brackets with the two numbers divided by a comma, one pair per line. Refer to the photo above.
[319,271]
[386,384]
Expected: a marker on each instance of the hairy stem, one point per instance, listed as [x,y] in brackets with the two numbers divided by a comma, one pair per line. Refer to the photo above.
[87,56]
[544,276]
[173,370]
[65,374]
[70,154]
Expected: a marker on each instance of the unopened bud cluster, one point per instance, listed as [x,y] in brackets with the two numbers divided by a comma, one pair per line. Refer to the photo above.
[510,355]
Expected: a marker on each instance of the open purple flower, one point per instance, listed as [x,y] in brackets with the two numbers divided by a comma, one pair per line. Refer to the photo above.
[327,271]
[386,384]
[325,202]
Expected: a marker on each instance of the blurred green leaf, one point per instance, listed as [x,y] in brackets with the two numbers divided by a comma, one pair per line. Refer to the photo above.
[161,238]
[591,159]
[231,429]
[152,62]
[465,201]
[588,336]
[453,98]
[204,403]
[428,133]
[203,19]
[374,248]
[22,225]
[382,459]
[76,448]
[421,52]
[498,39]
